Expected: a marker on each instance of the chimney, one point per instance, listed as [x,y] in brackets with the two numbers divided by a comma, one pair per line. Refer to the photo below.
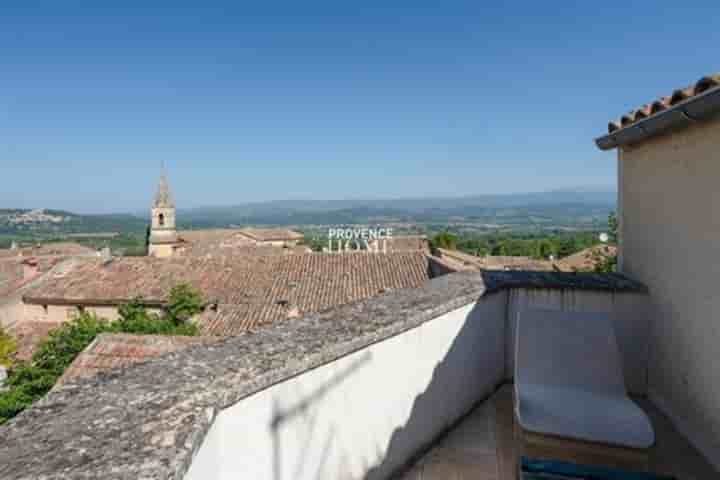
[106,255]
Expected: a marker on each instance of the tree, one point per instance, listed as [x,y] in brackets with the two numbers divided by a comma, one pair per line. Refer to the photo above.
[7,348]
[29,381]
[184,303]
[613,227]
[444,240]
[604,261]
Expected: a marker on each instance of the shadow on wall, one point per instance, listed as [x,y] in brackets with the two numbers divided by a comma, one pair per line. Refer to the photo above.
[471,370]
[470,367]
[304,410]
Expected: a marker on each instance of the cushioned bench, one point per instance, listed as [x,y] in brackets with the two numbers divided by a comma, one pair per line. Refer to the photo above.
[570,397]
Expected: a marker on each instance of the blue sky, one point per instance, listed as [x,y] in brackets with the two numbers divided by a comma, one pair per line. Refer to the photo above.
[250,101]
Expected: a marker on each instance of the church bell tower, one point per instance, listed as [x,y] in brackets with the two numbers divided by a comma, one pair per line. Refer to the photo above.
[163,235]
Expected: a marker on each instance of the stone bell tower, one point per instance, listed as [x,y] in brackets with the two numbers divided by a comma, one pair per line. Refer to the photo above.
[163,235]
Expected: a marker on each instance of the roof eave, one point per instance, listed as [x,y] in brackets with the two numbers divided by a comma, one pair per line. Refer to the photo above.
[90,302]
[695,109]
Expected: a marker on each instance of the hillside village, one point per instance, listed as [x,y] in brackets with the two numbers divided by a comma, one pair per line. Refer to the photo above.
[22,217]
[249,276]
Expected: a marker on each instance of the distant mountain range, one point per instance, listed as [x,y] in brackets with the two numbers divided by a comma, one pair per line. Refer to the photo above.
[565,206]
[562,208]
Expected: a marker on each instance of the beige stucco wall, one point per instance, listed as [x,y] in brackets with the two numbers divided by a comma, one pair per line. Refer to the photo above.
[162,250]
[62,313]
[11,310]
[670,216]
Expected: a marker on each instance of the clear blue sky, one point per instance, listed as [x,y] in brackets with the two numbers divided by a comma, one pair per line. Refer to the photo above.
[250,101]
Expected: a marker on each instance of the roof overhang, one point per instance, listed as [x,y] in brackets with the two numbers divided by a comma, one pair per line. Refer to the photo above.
[90,302]
[699,108]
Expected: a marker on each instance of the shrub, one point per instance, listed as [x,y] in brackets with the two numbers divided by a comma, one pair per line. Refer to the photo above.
[185,302]
[66,341]
[7,348]
[445,240]
[29,381]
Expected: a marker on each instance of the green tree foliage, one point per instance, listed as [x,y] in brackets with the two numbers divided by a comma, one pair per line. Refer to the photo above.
[29,381]
[7,348]
[613,227]
[445,240]
[184,303]
[535,245]
[604,262]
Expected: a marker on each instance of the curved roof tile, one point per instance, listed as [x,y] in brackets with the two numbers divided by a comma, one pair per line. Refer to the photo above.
[680,95]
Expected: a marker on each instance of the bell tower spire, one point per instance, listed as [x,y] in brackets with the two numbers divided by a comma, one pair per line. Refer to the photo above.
[163,235]
[163,199]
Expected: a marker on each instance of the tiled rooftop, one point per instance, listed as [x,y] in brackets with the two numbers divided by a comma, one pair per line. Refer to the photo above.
[315,279]
[114,350]
[664,102]
[585,259]
[271,234]
[406,243]
[209,235]
[244,291]
[463,261]
[54,248]
[28,335]
[482,446]
[220,241]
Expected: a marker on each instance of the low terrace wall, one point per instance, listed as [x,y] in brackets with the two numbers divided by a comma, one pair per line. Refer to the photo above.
[366,414]
[355,392]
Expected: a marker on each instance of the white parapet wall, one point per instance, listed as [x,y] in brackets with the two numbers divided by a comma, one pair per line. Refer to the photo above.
[367,414]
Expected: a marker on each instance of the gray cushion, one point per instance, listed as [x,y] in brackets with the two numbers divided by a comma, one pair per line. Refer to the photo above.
[569,383]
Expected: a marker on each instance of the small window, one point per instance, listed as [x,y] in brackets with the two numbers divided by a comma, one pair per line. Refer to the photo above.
[161,219]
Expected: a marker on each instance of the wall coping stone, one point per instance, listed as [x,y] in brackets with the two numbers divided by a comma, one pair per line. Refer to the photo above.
[146,421]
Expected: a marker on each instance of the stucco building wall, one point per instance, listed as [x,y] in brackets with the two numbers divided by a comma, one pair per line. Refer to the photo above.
[670,241]
[11,310]
[161,250]
[63,313]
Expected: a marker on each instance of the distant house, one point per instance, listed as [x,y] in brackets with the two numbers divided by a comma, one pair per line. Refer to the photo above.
[21,266]
[668,153]
[401,243]
[586,259]
[276,237]
[455,260]
[166,241]
[242,291]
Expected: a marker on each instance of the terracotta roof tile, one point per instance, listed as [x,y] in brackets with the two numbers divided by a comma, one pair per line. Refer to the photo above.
[680,95]
[221,240]
[270,234]
[585,259]
[465,261]
[28,335]
[248,291]
[113,350]
[406,243]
